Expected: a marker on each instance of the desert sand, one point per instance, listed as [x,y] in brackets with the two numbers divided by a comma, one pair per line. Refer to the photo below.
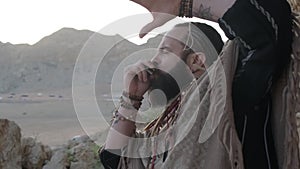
[52,121]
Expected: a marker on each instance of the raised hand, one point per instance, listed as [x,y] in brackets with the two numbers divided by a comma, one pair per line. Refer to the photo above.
[162,11]
[137,78]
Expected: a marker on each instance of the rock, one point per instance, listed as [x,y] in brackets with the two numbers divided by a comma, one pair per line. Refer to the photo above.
[10,145]
[78,139]
[78,165]
[34,154]
[84,155]
[58,161]
[27,153]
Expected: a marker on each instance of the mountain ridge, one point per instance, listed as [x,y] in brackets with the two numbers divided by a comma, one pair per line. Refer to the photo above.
[49,63]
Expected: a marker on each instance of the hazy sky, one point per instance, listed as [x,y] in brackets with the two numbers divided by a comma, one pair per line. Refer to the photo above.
[27,21]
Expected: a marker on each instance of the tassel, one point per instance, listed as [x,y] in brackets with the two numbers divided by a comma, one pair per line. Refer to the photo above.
[295,5]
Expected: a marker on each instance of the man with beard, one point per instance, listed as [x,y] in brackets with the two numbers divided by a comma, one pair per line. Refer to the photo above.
[181,59]
[264,30]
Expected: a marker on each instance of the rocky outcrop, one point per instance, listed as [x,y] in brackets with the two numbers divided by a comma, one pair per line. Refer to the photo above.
[34,154]
[16,153]
[79,153]
[82,153]
[59,160]
[10,145]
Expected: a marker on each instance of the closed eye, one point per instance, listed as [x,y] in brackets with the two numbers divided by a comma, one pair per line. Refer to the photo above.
[165,50]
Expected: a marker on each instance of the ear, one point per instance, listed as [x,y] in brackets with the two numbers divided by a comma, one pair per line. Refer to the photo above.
[200,58]
[195,61]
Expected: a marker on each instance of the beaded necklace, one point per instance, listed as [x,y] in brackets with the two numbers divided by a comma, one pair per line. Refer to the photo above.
[165,121]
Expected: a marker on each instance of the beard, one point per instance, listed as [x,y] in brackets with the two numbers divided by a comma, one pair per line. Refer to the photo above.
[169,84]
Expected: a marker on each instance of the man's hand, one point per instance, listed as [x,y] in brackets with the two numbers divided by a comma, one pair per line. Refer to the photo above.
[137,78]
[162,11]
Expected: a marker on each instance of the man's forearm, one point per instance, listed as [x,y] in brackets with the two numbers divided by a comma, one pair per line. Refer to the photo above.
[121,130]
[211,10]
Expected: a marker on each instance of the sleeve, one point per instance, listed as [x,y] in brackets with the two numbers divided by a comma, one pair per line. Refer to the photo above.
[264,30]
[257,22]
[109,158]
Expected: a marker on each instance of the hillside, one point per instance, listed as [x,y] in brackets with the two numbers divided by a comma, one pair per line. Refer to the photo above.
[48,64]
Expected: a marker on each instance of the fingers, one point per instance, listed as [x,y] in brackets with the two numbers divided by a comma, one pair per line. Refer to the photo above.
[145,30]
[148,28]
[158,20]
[144,3]
[149,64]
[150,69]
[145,71]
[141,70]
[142,75]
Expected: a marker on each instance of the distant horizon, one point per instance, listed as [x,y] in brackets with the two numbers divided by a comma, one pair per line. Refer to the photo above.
[133,40]
[46,36]
[60,30]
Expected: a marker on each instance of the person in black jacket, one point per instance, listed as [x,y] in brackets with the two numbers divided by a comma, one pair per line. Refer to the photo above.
[264,29]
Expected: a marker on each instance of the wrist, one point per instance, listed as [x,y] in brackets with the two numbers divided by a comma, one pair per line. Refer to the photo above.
[195,8]
[130,104]
[186,8]
[133,97]
[127,113]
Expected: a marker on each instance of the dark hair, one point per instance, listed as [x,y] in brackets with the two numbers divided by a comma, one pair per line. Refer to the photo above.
[211,34]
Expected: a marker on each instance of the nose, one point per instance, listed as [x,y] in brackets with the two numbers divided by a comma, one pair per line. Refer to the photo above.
[156,60]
